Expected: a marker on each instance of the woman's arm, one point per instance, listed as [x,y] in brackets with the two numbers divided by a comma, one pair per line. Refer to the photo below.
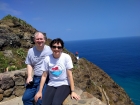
[43,79]
[70,77]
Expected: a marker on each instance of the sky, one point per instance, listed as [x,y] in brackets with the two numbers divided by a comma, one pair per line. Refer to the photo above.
[77,19]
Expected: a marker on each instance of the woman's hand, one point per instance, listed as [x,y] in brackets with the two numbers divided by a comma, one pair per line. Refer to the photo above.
[75,96]
[37,96]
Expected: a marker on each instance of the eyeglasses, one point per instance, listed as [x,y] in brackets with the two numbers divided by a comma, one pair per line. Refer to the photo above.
[59,47]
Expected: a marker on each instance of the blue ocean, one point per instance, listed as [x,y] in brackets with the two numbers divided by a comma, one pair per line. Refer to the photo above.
[118,57]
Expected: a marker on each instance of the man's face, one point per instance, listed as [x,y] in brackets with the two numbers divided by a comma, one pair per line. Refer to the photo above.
[39,40]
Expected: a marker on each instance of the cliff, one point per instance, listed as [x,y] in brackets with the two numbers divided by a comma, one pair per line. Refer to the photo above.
[16,37]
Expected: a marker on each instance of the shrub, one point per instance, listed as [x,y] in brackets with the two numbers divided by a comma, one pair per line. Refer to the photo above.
[3,62]
[21,53]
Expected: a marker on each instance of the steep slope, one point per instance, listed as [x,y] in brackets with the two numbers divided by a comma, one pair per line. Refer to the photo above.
[91,78]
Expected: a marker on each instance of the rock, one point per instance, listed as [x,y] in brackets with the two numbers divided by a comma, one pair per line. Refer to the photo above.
[1,97]
[6,83]
[86,99]
[86,95]
[8,53]
[19,90]
[8,92]
[19,81]
[1,91]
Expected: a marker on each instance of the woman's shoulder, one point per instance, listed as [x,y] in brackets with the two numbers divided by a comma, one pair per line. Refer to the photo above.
[66,56]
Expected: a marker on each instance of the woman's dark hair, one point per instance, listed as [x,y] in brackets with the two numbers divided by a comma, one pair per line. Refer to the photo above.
[57,40]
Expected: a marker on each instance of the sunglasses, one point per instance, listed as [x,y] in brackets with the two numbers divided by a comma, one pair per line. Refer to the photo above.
[59,47]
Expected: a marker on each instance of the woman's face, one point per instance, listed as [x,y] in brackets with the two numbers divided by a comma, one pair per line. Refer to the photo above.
[57,49]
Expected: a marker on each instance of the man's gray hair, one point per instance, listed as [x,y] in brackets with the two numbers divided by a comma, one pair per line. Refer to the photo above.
[36,33]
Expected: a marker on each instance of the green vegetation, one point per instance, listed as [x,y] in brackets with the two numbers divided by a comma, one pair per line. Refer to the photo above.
[21,53]
[75,66]
[15,19]
[14,63]
[3,62]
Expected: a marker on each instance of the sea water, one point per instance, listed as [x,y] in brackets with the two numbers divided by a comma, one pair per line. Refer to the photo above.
[118,57]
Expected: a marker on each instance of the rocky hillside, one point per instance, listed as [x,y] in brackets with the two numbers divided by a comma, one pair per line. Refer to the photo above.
[16,38]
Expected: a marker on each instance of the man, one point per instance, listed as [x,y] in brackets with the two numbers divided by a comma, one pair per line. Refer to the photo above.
[34,60]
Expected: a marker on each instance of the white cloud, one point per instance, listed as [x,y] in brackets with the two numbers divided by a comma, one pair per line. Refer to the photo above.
[5,8]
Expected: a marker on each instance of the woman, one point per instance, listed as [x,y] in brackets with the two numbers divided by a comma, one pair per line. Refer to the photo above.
[58,66]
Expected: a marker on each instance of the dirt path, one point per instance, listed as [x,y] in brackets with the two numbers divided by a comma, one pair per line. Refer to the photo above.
[14,101]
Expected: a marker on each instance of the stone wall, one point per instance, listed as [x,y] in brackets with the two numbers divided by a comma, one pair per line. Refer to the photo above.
[12,84]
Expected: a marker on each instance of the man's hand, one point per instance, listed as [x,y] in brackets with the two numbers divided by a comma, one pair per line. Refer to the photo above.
[29,79]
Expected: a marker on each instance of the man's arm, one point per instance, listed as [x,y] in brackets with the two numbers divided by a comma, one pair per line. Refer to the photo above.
[29,73]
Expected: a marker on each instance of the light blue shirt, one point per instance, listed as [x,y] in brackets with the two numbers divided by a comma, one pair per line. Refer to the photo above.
[36,57]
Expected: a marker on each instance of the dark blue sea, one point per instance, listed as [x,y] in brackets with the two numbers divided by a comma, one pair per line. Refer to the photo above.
[118,57]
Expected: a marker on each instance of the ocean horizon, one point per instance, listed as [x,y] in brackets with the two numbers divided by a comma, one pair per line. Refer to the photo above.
[118,57]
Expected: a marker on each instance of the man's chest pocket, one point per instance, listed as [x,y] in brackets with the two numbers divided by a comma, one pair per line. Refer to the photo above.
[38,59]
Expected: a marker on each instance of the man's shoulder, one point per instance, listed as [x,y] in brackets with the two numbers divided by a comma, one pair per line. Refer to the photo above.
[48,57]
[48,49]
[30,49]
[46,45]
